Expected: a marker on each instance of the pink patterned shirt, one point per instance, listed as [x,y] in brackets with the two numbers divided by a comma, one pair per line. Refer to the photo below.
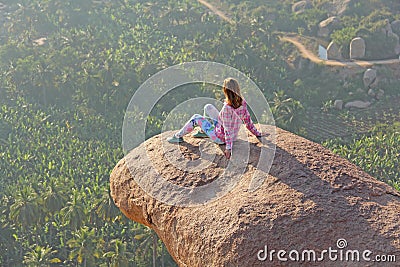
[229,121]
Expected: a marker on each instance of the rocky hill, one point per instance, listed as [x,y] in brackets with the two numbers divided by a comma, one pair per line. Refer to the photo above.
[375,23]
[311,200]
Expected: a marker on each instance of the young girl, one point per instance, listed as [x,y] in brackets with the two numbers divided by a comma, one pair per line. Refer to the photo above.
[222,127]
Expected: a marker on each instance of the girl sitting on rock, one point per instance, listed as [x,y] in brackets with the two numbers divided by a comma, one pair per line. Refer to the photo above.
[222,127]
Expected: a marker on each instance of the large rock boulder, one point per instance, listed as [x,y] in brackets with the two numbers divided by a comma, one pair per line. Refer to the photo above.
[397,49]
[394,36]
[325,27]
[334,52]
[387,28]
[396,26]
[370,78]
[338,104]
[358,104]
[300,6]
[333,7]
[396,39]
[311,200]
[357,48]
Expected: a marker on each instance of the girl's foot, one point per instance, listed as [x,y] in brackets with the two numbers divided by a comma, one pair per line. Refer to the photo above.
[200,134]
[175,139]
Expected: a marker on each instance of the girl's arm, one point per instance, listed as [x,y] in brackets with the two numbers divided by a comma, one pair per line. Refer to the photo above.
[249,123]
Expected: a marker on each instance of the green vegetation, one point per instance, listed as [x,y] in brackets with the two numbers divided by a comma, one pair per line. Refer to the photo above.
[377,153]
[54,191]
[62,104]
[343,38]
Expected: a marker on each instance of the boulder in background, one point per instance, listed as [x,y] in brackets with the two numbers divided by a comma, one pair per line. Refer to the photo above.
[301,6]
[325,27]
[357,48]
[334,52]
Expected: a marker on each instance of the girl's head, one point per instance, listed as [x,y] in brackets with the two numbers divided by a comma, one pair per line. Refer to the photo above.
[232,92]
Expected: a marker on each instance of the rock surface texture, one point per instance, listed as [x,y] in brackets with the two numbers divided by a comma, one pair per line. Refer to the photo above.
[357,48]
[370,78]
[357,104]
[301,6]
[334,7]
[396,27]
[334,52]
[310,199]
[327,26]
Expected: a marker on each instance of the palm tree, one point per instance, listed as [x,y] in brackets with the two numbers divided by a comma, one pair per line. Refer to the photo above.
[53,201]
[7,242]
[119,256]
[54,197]
[26,209]
[85,246]
[106,209]
[286,109]
[40,256]
[74,213]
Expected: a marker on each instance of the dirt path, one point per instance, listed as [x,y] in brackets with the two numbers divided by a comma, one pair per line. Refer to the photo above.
[216,11]
[314,58]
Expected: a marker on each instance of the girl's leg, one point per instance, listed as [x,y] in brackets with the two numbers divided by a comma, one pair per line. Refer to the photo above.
[189,126]
[203,123]
[209,129]
[211,111]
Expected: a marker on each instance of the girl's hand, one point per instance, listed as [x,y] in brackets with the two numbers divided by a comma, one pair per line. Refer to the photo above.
[264,134]
[227,153]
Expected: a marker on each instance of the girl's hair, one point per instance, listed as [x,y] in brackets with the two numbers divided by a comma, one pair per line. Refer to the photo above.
[232,92]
